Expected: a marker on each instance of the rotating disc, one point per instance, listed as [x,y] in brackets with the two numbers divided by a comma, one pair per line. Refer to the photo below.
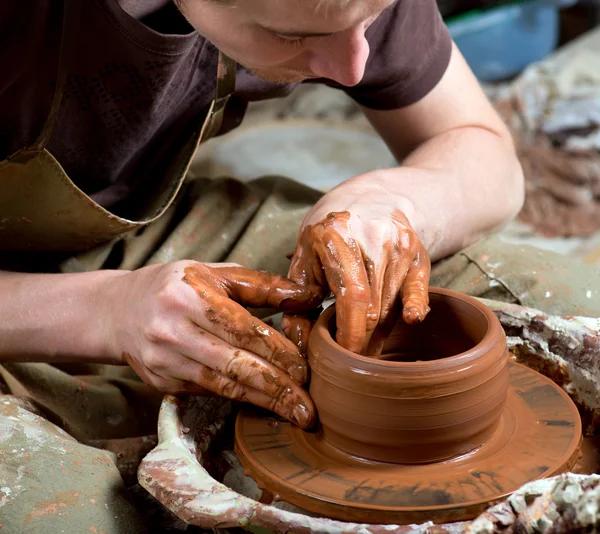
[539,436]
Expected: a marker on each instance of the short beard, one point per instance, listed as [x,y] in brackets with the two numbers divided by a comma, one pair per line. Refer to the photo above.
[275,76]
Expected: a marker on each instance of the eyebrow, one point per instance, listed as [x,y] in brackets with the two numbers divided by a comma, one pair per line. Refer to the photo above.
[298,34]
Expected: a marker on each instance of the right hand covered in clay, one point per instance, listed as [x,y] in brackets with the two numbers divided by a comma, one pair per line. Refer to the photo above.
[364,251]
[183,328]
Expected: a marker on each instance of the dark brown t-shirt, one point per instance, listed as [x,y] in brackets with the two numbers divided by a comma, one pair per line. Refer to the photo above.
[138,84]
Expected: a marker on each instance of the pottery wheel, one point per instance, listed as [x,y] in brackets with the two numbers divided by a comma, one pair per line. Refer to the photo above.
[539,436]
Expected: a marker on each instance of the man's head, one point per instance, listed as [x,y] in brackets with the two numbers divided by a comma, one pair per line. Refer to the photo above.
[288,41]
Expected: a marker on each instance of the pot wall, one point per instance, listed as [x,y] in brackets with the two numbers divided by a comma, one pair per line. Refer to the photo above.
[414,411]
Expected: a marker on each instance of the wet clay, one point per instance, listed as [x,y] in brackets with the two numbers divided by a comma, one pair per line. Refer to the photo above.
[223,289]
[538,436]
[438,391]
[268,369]
[370,292]
[439,428]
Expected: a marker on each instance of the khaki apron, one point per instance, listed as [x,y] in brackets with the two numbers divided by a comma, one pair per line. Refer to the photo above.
[42,209]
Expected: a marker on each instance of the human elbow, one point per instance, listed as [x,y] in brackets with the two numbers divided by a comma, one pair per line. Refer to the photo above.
[515,191]
[514,179]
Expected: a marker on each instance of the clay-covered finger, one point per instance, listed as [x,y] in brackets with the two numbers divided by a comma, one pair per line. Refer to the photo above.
[305,268]
[390,304]
[260,289]
[346,275]
[375,277]
[297,328]
[415,290]
[290,402]
[238,364]
[231,322]
[302,415]
[394,279]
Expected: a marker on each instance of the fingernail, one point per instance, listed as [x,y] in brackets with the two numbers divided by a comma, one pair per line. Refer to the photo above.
[414,315]
[301,415]
[298,372]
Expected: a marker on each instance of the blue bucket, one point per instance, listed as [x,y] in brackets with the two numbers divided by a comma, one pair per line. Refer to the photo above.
[500,42]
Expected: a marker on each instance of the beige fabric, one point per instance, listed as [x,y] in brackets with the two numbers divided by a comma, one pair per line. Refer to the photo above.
[256,225]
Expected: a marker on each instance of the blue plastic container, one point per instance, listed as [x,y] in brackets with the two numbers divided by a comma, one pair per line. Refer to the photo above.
[500,42]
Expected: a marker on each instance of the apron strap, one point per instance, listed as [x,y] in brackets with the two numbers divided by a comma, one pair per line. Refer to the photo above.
[67,46]
[226,71]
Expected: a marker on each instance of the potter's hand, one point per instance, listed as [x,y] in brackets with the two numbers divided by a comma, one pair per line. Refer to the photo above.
[370,258]
[182,328]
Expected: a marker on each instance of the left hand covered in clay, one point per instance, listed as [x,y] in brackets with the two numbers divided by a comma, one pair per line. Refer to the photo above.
[360,246]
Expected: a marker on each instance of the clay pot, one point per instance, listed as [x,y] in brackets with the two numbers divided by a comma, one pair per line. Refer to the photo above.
[438,392]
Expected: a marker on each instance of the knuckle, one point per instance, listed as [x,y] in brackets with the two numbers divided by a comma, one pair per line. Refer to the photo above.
[231,389]
[357,293]
[154,362]
[373,317]
[315,233]
[274,404]
[159,332]
[278,402]
[169,295]
[236,367]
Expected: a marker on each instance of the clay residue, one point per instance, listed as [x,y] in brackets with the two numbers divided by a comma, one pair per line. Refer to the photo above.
[59,506]
[563,191]
[562,180]
[371,292]
[430,409]
[253,373]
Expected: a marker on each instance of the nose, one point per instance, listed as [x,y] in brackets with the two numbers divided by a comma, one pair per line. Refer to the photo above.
[341,57]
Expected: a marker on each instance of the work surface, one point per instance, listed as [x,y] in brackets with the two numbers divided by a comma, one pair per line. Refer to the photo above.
[577,57]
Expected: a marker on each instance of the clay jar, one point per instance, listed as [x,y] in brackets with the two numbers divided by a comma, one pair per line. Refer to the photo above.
[438,392]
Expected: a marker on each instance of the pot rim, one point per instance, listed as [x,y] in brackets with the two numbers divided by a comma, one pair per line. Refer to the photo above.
[430,366]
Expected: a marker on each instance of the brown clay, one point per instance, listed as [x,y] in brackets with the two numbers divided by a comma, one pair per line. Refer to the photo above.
[469,427]
[268,369]
[401,410]
[368,293]
[222,288]
[538,437]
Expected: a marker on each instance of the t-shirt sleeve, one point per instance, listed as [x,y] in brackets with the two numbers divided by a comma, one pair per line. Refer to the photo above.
[410,49]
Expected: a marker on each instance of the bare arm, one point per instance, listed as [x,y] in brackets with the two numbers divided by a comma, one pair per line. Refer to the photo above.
[53,318]
[370,240]
[182,327]
[460,177]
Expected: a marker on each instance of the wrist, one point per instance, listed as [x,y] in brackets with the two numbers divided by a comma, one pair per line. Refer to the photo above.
[382,186]
[99,316]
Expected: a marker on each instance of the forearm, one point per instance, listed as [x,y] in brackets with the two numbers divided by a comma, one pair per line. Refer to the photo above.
[54,317]
[474,185]
[456,187]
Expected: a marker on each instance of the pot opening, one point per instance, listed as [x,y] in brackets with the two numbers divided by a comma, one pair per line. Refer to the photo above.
[453,326]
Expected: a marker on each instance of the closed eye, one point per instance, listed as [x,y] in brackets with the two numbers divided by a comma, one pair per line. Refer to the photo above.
[289,41]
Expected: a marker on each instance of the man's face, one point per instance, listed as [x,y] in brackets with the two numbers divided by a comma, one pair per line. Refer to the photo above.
[287,41]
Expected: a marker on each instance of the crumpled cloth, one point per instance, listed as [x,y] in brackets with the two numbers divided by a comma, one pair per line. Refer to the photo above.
[553,111]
